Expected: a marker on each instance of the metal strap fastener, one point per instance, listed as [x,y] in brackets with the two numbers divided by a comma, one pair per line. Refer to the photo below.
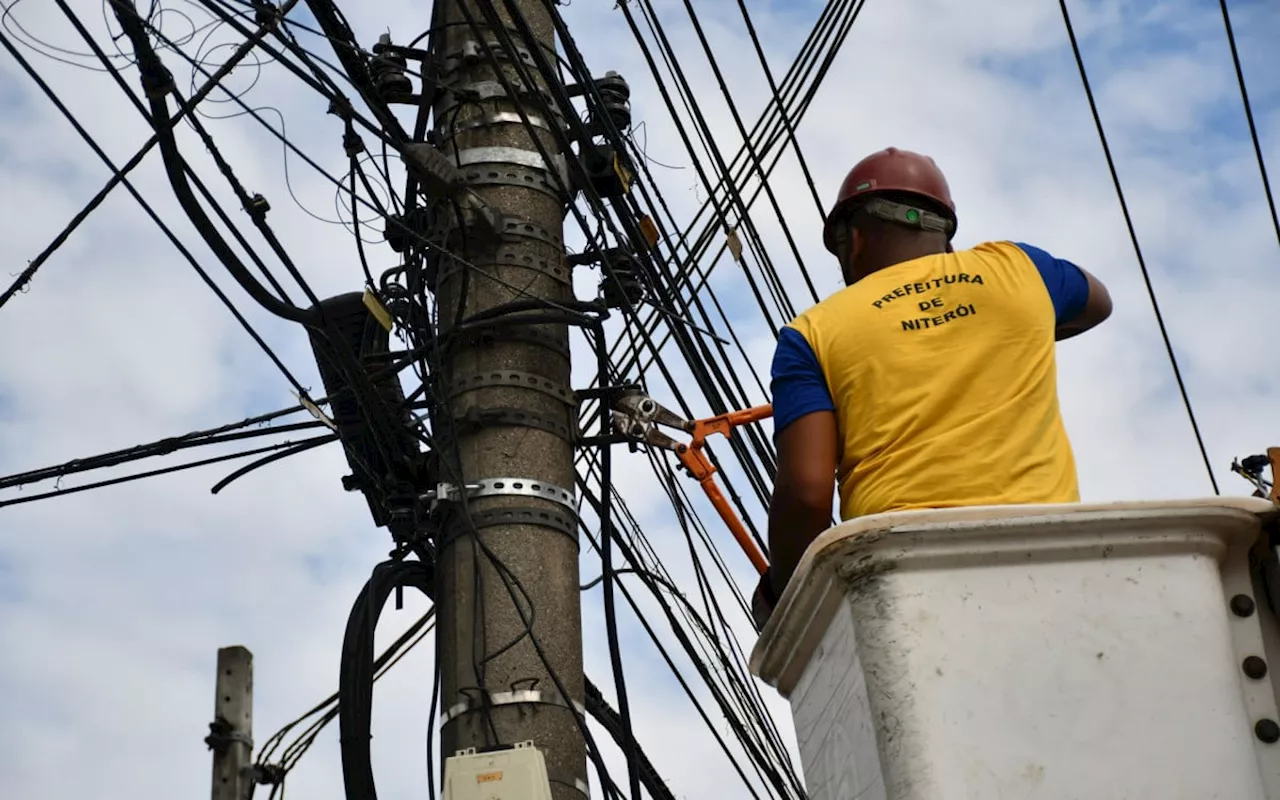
[473,50]
[572,781]
[470,705]
[222,734]
[476,419]
[447,492]
[510,256]
[520,157]
[497,174]
[495,118]
[566,523]
[525,487]
[513,378]
[516,229]
[457,94]
[557,521]
[518,257]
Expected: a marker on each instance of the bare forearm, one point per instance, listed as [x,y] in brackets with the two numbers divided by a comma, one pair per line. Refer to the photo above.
[793,525]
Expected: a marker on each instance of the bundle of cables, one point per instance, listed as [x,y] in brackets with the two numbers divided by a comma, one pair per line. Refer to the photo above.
[355,676]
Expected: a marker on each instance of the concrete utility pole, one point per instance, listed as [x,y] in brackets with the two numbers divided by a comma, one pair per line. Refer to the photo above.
[231,733]
[514,417]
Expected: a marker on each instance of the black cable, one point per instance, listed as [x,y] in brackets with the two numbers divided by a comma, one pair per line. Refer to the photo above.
[702,130]
[352,59]
[431,730]
[828,32]
[328,708]
[355,677]
[746,692]
[314,82]
[1248,113]
[620,730]
[629,747]
[758,481]
[257,216]
[629,221]
[271,459]
[683,637]
[355,225]
[513,585]
[315,441]
[163,447]
[1137,249]
[689,348]
[740,687]
[157,82]
[755,157]
[214,81]
[744,689]
[836,18]
[146,207]
[778,103]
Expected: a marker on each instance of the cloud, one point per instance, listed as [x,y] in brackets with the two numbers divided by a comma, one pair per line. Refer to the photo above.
[113,602]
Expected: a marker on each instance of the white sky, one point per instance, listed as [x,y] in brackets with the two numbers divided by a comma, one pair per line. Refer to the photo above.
[113,602]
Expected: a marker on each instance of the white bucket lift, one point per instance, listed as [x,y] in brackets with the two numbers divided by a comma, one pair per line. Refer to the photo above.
[1066,652]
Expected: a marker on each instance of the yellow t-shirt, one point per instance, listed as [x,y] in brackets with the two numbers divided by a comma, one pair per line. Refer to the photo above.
[942,374]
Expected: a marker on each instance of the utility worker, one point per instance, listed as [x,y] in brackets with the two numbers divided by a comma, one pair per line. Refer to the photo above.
[930,380]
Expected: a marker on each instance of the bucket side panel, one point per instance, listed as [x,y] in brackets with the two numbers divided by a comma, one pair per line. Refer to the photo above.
[1112,677]
[833,719]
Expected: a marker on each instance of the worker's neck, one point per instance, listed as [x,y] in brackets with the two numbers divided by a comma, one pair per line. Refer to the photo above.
[873,262]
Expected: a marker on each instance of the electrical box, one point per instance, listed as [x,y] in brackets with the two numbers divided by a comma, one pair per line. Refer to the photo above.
[608,170]
[518,772]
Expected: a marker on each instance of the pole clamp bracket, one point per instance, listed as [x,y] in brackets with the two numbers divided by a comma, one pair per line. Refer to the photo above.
[461,525]
[470,704]
[510,378]
[446,492]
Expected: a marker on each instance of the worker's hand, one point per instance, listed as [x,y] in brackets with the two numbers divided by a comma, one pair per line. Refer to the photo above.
[762,601]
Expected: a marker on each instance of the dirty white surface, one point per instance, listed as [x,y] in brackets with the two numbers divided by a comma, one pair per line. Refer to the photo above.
[1081,652]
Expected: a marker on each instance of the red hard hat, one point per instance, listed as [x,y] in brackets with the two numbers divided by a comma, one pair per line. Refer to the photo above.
[890,170]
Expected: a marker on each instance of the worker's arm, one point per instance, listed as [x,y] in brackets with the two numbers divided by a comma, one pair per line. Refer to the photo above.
[1080,300]
[802,495]
[805,433]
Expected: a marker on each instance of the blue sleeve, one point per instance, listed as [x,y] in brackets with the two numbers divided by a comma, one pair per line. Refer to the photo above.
[1067,285]
[799,387]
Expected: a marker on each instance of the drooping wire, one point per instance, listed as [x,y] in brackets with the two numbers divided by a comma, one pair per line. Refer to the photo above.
[118,177]
[1137,248]
[1248,113]
[314,441]
[328,709]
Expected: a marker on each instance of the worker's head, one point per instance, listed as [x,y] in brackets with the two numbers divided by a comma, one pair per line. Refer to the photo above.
[894,205]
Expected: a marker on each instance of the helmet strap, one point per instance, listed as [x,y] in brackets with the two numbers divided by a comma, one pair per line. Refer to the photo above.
[843,240]
[909,216]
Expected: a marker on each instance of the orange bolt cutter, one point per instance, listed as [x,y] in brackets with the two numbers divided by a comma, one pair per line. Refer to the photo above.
[638,416]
